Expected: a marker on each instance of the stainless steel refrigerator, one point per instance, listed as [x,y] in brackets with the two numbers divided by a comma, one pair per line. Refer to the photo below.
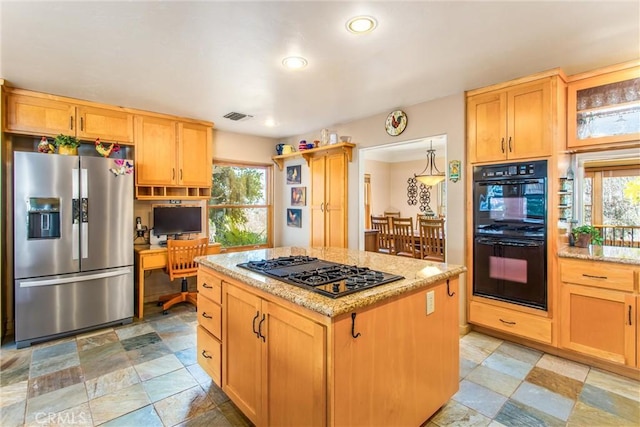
[73,245]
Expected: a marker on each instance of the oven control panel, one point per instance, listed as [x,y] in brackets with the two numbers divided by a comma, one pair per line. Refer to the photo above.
[537,169]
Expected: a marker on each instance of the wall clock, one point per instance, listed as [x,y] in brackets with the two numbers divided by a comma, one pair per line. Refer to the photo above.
[396,122]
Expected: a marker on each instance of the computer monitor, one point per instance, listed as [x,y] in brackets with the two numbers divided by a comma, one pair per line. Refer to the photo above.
[176,219]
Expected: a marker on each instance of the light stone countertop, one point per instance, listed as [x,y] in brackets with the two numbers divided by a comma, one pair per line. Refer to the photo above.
[417,273]
[617,254]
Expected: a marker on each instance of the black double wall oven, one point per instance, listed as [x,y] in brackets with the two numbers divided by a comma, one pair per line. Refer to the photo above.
[510,233]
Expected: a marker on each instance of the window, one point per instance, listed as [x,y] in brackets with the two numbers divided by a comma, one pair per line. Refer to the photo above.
[611,195]
[240,207]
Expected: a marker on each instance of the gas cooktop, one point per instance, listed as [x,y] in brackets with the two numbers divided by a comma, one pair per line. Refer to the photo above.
[324,277]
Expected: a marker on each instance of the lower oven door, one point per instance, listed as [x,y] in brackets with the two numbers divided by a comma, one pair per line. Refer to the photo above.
[512,270]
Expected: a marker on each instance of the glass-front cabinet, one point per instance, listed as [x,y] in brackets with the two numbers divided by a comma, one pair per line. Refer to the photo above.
[604,107]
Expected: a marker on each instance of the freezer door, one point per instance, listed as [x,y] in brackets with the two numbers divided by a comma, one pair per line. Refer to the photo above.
[45,236]
[54,305]
[107,228]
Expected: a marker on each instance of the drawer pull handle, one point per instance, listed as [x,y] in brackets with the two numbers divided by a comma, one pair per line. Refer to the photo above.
[204,285]
[595,277]
[205,355]
[254,324]
[206,316]
[507,322]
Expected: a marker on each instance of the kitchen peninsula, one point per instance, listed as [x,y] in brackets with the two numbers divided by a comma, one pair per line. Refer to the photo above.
[286,355]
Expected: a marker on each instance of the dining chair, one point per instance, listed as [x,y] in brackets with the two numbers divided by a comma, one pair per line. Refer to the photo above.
[403,235]
[432,239]
[181,264]
[392,214]
[385,240]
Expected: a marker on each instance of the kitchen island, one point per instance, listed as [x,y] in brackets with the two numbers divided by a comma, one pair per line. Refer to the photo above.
[286,355]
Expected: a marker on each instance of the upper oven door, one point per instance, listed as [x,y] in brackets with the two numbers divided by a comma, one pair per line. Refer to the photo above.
[510,201]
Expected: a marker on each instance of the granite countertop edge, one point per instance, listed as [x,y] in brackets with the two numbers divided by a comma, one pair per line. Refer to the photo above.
[621,255]
[430,274]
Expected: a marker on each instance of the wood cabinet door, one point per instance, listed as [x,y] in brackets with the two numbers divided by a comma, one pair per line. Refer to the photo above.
[638,332]
[194,155]
[241,350]
[529,120]
[39,116]
[599,323]
[294,369]
[155,151]
[487,126]
[317,201]
[108,125]
[413,352]
[335,209]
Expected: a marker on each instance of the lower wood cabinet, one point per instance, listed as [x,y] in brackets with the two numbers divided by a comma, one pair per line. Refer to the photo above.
[514,322]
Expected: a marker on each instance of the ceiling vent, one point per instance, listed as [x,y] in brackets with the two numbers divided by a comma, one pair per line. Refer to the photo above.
[237,117]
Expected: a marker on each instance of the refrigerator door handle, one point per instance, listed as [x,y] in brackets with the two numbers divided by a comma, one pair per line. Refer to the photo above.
[75,215]
[74,279]
[84,214]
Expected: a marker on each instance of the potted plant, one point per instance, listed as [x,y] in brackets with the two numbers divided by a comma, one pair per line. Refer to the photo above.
[66,144]
[585,235]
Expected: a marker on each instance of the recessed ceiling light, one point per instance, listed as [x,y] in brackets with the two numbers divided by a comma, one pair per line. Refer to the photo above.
[361,24]
[294,62]
[270,123]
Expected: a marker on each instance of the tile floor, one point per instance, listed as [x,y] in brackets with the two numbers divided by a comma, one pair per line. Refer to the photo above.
[146,374]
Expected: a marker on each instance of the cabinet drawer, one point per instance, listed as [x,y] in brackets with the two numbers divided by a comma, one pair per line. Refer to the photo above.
[150,262]
[210,355]
[210,315]
[210,286]
[513,322]
[599,274]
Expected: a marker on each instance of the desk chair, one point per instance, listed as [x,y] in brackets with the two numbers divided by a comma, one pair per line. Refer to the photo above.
[180,264]
[385,239]
[432,239]
[405,242]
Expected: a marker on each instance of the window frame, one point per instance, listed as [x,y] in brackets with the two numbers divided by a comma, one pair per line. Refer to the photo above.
[268,168]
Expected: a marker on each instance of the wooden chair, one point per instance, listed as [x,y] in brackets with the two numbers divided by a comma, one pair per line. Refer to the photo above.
[432,240]
[392,214]
[385,240]
[404,240]
[180,264]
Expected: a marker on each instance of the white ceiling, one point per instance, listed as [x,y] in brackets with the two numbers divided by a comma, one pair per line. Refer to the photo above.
[205,59]
[407,151]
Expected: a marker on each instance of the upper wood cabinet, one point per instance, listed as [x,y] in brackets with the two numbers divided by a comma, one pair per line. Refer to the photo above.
[155,151]
[194,154]
[329,200]
[512,121]
[51,116]
[603,107]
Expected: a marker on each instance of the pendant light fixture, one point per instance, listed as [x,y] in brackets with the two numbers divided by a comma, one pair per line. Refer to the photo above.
[428,177]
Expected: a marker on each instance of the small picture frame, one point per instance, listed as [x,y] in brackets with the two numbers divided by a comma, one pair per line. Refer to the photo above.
[294,218]
[294,174]
[298,196]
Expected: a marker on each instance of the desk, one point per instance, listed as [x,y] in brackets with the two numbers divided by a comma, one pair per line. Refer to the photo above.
[151,258]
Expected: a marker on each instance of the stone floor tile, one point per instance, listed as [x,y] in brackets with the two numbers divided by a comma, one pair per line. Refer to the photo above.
[495,423]
[183,406]
[235,417]
[480,398]
[55,380]
[466,366]
[11,358]
[140,341]
[614,383]
[55,401]
[13,415]
[564,367]
[145,416]
[199,374]
[455,414]
[516,414]
[97,368]
[507,365]
[157,367]
[473,353]
[494,380]
[169,384]
[482,341]
[610,402]
[188,356]
[76,416]
[585,415]
[13,376]
[114,405]
[50,351]
[149,352]
[13,393]
[101,353]
[166,325]
[133,330]
[521,353]
[111,382]
[53,364]
[181,342]
[543,400]
[97,340]
[564,386]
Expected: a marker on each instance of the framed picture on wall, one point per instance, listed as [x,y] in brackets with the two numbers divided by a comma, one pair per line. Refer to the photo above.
[294,174]
[294,218]
[298,196]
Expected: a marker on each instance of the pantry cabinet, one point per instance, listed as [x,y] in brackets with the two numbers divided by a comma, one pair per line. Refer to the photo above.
[329,200]
[512,121]
[48,115]
[272,357]
[603,108]
[173,159]
[599,310]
